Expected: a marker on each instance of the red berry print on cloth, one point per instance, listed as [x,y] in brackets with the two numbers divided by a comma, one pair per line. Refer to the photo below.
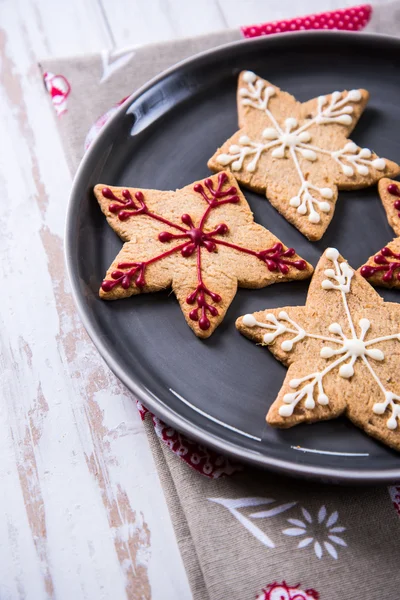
[198,457]
[59,89]
[347,19]
[282,591]
[99,124]
[394,492]
[201,241]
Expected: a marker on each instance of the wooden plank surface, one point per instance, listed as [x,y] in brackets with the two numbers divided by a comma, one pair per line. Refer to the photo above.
[82,513]
[140,22]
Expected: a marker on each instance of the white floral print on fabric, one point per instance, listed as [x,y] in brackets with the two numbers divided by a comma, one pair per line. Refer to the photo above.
[114,60]
[319,533]
[234,504]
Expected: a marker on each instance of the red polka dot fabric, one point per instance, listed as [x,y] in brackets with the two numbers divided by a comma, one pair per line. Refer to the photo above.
[347,19]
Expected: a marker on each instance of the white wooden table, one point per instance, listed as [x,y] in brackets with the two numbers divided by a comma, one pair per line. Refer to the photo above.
[82,513]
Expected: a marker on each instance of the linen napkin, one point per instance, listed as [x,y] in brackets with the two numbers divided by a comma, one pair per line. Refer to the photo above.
[243,533]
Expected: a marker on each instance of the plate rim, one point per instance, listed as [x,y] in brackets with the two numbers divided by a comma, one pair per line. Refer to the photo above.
[156,405]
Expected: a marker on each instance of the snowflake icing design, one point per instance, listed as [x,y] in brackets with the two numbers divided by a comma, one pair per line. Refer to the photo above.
[321,532]
[297,140]
[190,238]
[384,267]
[394,190]
[340,351]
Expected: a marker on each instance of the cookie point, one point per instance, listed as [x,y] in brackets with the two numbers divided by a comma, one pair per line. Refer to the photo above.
[332,254]
[301,264]
[249,77]
[286,410]
[393,189]
[325,207]
[107,285]
[107,193]
[354,95]
[268,338]
[326,193]
[379,164]
[344,119]
[351,147]
[204,323]
[366,271]
[249,321]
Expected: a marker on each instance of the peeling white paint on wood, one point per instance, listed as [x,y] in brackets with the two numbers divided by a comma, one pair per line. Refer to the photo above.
[82,513]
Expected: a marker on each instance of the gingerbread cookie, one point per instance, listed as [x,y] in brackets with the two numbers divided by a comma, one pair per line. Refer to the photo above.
[383,269]
[389,192]
[342,349]
[201,240]
[298,154]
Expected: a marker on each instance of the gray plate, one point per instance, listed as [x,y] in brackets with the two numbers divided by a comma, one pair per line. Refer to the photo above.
[219,390]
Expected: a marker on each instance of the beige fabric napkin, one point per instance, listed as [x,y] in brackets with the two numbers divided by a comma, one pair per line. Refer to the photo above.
[252,530]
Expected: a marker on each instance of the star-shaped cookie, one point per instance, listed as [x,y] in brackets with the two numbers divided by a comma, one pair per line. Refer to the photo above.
[201,240]
[297,154]
[342,349]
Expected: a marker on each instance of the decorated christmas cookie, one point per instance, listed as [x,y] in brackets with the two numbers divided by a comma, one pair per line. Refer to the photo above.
[389,192]
[201,240]
[383,268]
[297,154]
[342,349]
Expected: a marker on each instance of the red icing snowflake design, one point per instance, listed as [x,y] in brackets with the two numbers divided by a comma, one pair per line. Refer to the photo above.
[347,19]
[282,591]
[189,239]
[388,268]
[198,457]
[394,190]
